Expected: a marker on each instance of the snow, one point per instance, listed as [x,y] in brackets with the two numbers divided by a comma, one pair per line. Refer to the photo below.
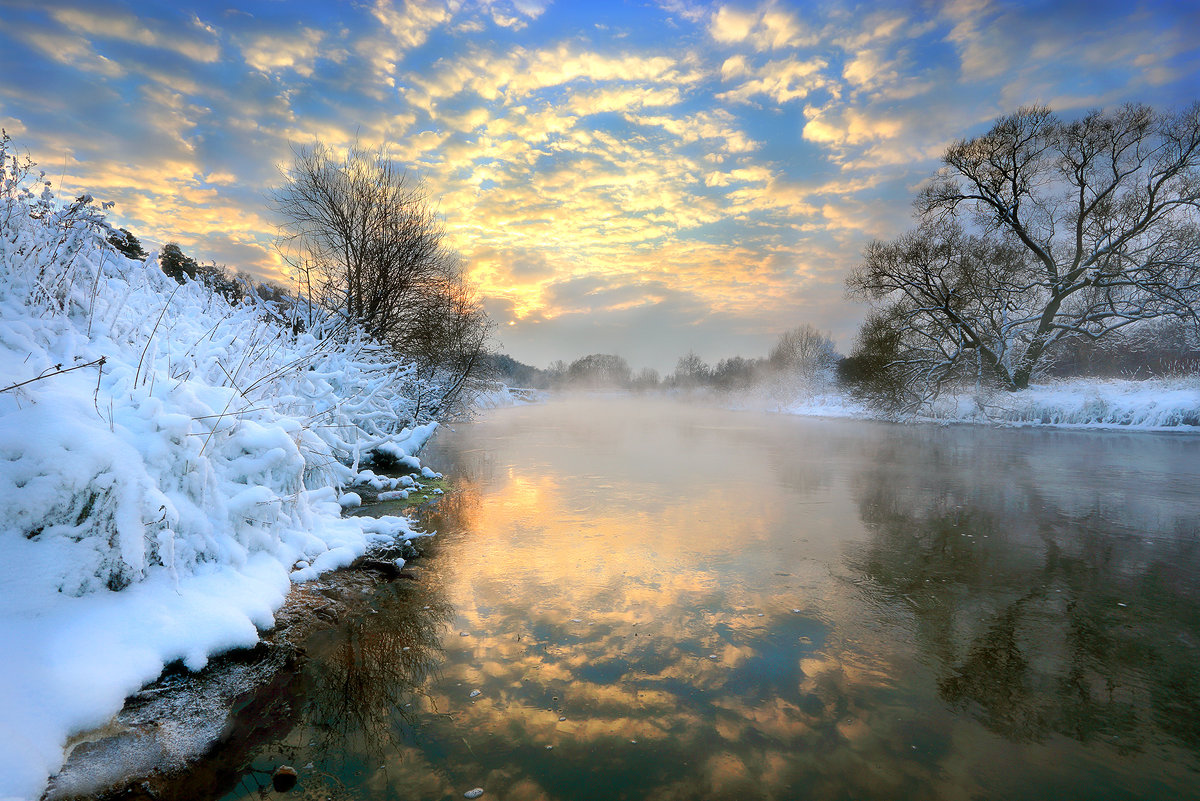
[171,467]
[1161,404]
[501,396]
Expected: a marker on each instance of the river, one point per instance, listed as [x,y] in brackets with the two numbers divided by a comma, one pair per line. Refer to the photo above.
[641,600]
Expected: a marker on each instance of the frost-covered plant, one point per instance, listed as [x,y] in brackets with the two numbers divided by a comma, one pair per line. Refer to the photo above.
[207,431]
[42,238]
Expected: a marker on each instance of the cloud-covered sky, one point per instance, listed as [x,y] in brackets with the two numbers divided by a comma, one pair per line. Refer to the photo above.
[641,178]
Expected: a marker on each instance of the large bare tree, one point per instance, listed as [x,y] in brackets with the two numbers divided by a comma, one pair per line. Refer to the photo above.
[1039,231]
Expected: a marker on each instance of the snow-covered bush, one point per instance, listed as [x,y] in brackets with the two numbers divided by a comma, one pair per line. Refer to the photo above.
[157,443]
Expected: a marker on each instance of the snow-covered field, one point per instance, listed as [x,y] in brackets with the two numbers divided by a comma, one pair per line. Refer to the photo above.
[1152,404]
[169,465]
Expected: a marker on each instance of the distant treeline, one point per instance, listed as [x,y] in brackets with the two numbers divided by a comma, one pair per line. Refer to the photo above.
[805,361]
[802,356]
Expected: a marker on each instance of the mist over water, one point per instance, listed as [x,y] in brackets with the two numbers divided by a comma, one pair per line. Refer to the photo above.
[666,601]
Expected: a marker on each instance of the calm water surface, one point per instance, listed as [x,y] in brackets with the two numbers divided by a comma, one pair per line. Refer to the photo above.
[660,601]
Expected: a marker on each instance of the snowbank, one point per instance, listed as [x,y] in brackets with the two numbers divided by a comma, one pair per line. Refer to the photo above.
[501,396]
[169,465]
[1151,404]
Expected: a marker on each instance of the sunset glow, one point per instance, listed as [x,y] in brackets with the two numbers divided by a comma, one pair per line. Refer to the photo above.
[639,178]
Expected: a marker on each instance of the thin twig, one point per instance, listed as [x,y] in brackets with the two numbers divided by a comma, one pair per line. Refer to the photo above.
[59,371]
[152,332]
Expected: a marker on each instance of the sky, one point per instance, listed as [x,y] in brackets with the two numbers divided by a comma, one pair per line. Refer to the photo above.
[640,178]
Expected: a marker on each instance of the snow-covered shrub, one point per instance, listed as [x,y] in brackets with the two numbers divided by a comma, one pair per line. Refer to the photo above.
[165,447]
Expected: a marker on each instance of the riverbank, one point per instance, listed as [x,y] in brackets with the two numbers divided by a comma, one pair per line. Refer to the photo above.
[1154,404]
[172,464]
[187,734]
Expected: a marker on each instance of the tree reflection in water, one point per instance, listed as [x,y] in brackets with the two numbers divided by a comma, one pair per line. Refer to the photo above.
[1040,619]
[365,674]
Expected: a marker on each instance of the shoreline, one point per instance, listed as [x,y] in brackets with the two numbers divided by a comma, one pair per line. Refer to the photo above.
[186,733]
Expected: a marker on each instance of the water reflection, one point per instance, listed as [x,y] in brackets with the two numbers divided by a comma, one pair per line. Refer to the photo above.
[363,675]
[355,701]
[1042,617]
[656,602]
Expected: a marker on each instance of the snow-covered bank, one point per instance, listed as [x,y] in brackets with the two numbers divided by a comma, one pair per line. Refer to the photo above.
[502,396]
[1151,404]
[169,465]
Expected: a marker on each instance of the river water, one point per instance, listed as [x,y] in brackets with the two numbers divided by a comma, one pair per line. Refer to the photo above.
[637,600]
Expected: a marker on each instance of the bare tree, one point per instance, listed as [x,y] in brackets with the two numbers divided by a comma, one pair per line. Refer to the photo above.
[446,337]
[362,232]
[1038,232]
[805,352]
[366,243]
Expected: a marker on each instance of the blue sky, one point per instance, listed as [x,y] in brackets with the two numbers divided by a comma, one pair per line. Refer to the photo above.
[641,178]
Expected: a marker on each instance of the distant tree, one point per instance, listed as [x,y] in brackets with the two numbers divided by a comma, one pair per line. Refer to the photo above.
[735,373]
[446,336]
[127,244]
[691,371]
[175,263]
[1163,347]
[557,371]
[225,282]
[600,371]
[513,373]
[1039,232]
[867,372]
[646,379]
[804,352]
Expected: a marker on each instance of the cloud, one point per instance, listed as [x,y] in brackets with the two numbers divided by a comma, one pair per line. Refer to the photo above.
[623,98]
[692,12]
[409,26]
[765,28]
[274,53]
[781,81]
[706,125]
[848,127]
[74,51]
[126,28]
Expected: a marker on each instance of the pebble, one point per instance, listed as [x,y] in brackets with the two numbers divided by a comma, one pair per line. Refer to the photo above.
[464,634]
[576,620]
[549,748]
[713,657]
[561,718]
[797,611]
[478,791]
[476,693]
[284,778]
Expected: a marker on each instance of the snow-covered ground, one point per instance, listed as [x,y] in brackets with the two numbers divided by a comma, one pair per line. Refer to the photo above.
[1151,404]
[501,396]
[169,465]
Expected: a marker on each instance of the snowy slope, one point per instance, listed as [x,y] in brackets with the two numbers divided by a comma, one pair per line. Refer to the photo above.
[157,505]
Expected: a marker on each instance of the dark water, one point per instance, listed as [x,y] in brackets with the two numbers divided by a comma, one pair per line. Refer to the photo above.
[657,601]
